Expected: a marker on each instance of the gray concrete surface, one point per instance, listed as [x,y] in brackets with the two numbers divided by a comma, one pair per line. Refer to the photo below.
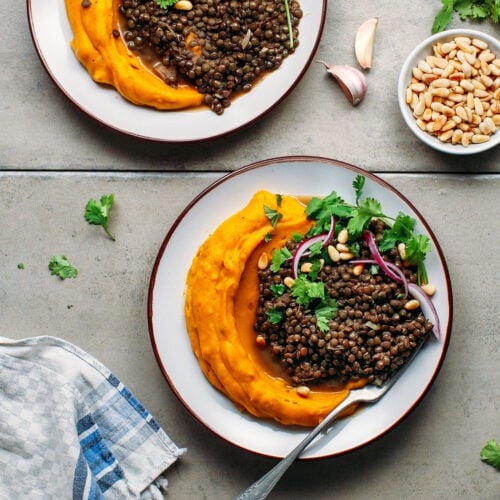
[53,159]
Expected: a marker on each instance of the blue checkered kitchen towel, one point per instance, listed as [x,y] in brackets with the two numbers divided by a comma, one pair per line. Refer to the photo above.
[69,429]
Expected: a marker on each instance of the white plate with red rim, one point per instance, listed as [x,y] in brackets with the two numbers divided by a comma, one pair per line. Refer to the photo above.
[52,34]
[309,176]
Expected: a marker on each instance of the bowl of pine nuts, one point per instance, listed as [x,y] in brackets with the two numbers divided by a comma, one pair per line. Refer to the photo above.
[449,91]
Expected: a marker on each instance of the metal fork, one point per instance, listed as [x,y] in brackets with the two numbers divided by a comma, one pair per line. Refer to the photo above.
[368,394]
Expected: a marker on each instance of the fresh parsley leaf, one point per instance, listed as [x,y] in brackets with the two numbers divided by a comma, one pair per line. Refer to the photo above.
[275,315]
[490,453]
[305,291]
[324,312]
[466,9]
[279,200]
[165,4]
[444,16]
[362,215]
[322,209]
[273,215]
[358,184]
[20,265]
[60,266]
[268,237]
[417,248]
[97,212]
[277,289]
[279,256]
[400,232]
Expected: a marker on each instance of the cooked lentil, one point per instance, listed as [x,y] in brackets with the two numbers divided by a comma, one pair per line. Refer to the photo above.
[222,47]
[370,337]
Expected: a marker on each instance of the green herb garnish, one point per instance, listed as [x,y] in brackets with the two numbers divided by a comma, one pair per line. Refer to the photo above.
[20,265]
[490,453]
[278,289]
[97,212]
[279,256]
[466,9]
[60,266]
[165,4]
[275,315]
[273,215]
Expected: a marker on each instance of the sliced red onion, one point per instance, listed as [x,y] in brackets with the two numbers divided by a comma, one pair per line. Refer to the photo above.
[427,307]
[372,245]
[303,247]
[399,278]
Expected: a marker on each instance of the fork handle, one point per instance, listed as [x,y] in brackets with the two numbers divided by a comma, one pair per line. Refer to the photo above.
[263,486]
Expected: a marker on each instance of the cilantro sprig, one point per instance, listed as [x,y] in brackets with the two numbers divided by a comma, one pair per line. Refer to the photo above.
[312,295]
[359,215]
[59,266]
[97,212]
[466,9]
[490,453]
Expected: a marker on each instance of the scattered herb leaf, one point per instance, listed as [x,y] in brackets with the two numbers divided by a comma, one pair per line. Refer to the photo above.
[277,289]
[273,215]
[326,311]
[490,453]
[279,199]
[358,183]
[97,212]
[20,265]
[268,237]
[275,315]
[60,266]
[305,291]
[466,9]
[279,256]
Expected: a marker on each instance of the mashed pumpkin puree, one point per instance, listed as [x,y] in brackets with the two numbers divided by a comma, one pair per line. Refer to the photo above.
[221,302]
[105,56]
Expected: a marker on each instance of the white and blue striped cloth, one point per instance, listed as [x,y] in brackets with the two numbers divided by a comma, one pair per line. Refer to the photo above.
[69,429]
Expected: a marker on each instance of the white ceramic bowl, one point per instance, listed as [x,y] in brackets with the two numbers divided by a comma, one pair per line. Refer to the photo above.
[420,52]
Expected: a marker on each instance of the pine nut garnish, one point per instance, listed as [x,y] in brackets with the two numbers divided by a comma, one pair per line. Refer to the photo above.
[453,93]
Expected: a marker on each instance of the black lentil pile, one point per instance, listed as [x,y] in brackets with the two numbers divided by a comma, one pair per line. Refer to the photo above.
[221,47]
[370,337]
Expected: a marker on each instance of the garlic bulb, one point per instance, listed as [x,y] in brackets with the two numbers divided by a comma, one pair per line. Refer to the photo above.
[351,81]
[363,44]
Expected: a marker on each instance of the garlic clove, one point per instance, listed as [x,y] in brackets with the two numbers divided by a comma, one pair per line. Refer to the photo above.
[351,81]
[363,44]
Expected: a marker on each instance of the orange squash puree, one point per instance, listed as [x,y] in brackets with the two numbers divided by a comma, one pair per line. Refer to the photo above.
[221,301]
[109,61]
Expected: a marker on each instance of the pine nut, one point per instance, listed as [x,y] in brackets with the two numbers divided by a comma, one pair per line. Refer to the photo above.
[358,269]
[429,289]
[288,282]
[342,248]
[263,261]
[343,236]
[412,304]
[303,390]
[306,267]
[346,255]
[333,253]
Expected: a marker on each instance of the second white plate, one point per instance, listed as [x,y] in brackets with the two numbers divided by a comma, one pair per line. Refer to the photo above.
[52,34]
